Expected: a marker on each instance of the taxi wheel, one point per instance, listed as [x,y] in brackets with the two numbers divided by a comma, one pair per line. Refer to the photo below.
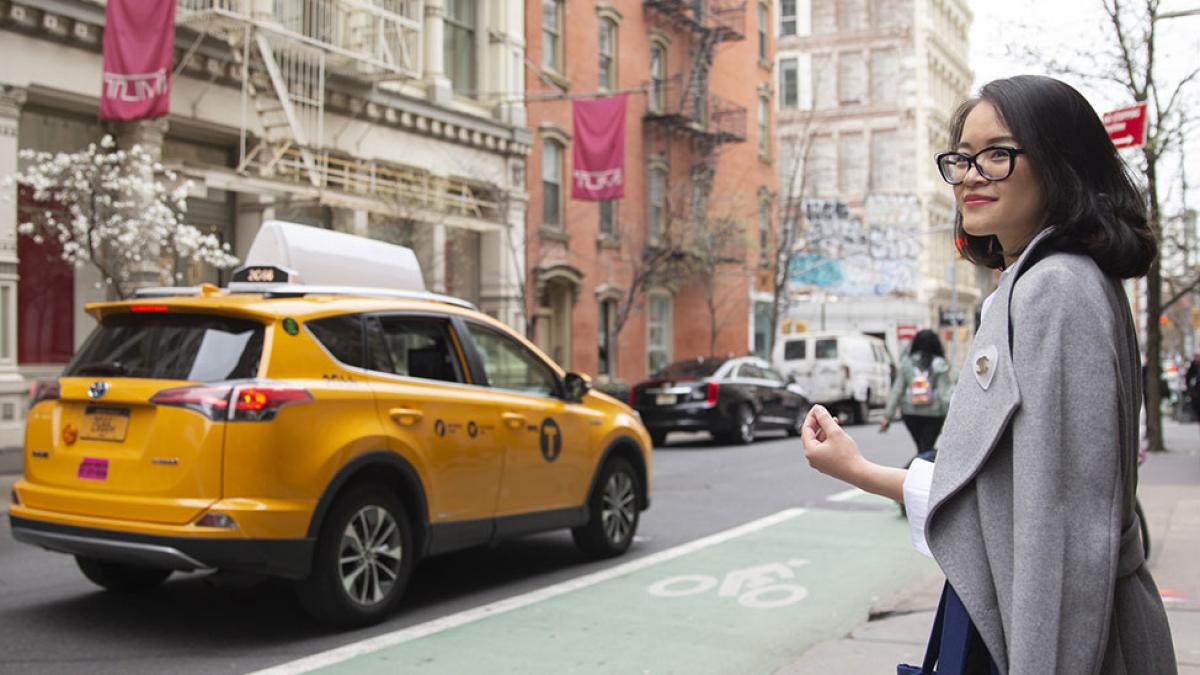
[119,577]
[612,512]
[797,425]
[363,560]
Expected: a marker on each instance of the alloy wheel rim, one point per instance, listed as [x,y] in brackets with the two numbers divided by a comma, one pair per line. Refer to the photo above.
[370,555]
[747,426]
[618,511]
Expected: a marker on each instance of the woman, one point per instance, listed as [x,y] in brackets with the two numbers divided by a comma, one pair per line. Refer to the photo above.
[1030,509]
[922,392]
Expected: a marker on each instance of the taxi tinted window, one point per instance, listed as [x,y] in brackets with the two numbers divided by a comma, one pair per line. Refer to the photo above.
[509,365]
[414,347]
[342,336]
[171,346]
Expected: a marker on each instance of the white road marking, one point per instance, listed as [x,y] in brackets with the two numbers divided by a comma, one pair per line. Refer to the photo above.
[845,495]
[350,651]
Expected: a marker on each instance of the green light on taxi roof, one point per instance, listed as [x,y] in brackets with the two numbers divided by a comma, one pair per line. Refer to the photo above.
[290,326]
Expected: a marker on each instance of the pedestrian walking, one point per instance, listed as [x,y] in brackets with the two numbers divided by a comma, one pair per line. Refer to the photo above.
[1191,388]
[1029,510]
[921,391]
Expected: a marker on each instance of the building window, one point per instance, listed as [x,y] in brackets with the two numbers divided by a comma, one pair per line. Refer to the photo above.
[852,14]
[762,329]
[820,172]
[823,85]
[764,127]
[658,203]
[459,45]
[658,78]
[552,25]
[885,163]
[608,218]
[885,76]
[658,332]
[763,18]
[789,83]
[852,78]
[5,301]
[787,17]
[852,165]
[764,233]
[608,54]
[552,165]
[608,319]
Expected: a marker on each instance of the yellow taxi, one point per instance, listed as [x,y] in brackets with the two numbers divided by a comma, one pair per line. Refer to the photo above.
[334,435]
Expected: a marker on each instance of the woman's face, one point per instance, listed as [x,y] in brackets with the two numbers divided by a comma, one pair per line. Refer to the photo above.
[1012,208]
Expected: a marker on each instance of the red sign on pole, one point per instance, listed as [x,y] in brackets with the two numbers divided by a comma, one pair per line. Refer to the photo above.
[1127,126]
[904,333]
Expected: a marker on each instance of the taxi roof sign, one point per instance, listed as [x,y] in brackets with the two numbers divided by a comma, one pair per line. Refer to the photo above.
[292,253]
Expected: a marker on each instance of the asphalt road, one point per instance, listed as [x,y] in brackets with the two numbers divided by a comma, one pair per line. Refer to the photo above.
[54,621]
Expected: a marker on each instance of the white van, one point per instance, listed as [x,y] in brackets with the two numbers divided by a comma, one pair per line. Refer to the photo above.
[846,371]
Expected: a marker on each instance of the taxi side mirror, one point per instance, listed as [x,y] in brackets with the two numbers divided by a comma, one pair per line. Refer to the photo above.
[576,386]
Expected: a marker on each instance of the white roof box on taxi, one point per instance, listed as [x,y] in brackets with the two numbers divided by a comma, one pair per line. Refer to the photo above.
[299,254]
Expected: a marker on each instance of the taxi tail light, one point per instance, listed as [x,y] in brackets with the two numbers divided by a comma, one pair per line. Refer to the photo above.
[44,390]
[632,395]
[212,401]
[714,390]
[260,403]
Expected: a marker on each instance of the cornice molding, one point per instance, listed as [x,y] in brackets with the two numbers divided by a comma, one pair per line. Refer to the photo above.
[80,24]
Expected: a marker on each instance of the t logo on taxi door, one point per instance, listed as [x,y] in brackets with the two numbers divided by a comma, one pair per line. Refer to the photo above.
[551,440]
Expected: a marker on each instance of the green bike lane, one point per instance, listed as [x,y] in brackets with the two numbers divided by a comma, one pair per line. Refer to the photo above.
[748,600]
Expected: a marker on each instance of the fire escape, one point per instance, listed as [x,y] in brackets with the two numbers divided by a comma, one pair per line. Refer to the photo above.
[685,106]
[287,49]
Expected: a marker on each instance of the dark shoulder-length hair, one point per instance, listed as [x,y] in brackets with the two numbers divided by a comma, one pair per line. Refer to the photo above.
[1090,197]
[925,346]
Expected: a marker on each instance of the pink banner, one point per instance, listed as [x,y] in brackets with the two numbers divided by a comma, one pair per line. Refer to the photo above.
[599,149]
[139,38]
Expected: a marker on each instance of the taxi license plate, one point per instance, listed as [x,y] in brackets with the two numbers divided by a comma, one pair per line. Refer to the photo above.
[104,424]
[665,399]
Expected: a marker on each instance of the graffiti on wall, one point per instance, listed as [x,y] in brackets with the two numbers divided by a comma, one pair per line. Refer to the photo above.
[876,254]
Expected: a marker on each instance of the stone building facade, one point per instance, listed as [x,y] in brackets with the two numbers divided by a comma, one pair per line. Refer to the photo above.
[404,122]
[866,89]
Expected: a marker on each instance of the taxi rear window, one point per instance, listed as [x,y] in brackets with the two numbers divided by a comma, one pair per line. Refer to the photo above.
[168,346]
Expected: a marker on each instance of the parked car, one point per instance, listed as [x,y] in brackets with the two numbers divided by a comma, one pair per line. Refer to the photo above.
[846,371]
[731,398]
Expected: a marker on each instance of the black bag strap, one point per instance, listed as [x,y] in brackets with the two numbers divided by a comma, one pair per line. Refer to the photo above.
[934,648]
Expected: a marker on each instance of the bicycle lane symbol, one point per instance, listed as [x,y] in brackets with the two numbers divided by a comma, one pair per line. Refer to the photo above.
[756,587]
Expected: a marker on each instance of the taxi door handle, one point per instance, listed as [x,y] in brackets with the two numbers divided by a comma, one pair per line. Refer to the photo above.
[406,416]
[513,420]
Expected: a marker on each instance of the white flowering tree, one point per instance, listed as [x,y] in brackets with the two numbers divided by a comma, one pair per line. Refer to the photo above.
[117,210]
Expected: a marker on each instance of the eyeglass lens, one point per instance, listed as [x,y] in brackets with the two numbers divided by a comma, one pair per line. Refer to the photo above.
[992,164]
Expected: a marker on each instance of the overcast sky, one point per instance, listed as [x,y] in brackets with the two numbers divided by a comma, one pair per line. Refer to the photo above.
[1049,25]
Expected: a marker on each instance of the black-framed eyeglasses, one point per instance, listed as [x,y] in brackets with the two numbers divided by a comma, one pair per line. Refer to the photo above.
[992,163]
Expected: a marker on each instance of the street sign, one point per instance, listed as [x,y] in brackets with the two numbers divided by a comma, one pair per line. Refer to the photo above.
[951,317]
[906,332]
[1127,126]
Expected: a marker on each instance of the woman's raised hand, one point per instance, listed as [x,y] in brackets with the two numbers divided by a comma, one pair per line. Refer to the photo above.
[827,447]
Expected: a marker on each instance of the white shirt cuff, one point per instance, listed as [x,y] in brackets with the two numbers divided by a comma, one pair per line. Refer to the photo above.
[916,501]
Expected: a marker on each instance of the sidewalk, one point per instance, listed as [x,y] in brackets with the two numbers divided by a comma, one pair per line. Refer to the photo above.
[898,628]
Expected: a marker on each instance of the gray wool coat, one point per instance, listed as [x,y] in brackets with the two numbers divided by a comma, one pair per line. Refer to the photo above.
[1031,510]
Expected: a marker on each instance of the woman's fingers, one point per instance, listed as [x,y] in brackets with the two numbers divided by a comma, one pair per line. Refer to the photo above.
[827,422]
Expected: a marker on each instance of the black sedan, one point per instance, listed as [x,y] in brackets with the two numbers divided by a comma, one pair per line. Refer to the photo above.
[731,398]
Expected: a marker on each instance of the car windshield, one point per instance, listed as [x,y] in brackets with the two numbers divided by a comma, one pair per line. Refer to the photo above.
[692,368]
[171,346]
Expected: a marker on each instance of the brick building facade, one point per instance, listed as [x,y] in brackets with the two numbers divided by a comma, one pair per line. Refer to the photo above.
[699,152]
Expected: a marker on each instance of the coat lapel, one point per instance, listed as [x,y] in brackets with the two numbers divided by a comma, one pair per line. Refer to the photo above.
[985,397]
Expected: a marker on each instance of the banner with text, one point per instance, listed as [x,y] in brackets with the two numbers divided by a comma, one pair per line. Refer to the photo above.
[139,38]
[599,172]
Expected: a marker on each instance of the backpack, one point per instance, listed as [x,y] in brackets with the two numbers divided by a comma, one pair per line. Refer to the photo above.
[920,391]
